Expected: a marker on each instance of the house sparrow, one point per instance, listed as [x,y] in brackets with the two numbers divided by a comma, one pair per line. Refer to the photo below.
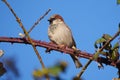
[60,34]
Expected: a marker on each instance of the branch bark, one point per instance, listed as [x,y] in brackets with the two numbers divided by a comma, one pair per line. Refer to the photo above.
[55,47]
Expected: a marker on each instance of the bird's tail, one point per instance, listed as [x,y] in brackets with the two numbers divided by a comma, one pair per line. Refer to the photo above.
[76,61]
[75,58]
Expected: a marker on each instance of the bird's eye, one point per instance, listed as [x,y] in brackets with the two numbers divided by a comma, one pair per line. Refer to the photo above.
[51,20]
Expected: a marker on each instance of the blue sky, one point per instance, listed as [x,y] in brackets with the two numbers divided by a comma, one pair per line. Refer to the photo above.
[88,20]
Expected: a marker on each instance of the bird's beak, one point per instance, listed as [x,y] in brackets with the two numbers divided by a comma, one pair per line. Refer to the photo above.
[48,19]
[51,20]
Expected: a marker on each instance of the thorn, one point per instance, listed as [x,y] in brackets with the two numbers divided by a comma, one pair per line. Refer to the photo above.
[48,50]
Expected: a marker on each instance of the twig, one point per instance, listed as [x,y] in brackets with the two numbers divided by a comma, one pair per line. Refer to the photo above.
[26,33]
[39,20]
[84,68]
[101,49]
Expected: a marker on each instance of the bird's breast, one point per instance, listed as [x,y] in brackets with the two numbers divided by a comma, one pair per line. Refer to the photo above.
[60,34]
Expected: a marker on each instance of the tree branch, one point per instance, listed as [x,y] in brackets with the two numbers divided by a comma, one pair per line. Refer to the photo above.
[95,57]
[25,32]
[55,47]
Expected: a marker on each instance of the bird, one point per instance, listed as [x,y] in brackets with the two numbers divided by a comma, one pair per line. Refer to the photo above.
[60,34]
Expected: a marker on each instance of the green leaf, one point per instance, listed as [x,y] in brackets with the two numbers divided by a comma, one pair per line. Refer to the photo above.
[96,55]
[38,73]
[102,52]
[115,55]
[54,70]
[100,40]
[116,46]
[60,67]
[118,1]
[107,37]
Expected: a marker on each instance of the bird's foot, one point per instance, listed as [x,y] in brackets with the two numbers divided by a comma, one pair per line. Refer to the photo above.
[77,51]
[49,49]
[61,46]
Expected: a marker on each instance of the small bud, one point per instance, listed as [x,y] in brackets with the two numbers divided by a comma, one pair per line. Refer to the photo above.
[1,53]
[21,35]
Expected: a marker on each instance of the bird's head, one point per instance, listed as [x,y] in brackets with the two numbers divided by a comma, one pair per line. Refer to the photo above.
[56,18]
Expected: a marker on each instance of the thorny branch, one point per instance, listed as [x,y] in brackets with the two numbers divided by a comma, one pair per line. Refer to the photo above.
[55,47]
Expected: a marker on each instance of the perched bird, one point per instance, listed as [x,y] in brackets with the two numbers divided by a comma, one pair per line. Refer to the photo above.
[60,34]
